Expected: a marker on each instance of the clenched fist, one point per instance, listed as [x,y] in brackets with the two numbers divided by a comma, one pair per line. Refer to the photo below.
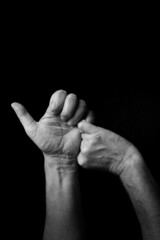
[103,149]
[56,133]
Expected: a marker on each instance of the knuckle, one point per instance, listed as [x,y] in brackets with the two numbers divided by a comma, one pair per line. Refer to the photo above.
[82,160]
[92,142]
[84,150]
[54,105]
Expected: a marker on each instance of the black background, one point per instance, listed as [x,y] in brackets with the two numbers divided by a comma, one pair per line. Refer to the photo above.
[109,62]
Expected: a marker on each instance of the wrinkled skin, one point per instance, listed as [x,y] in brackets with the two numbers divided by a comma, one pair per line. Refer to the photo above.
[56,134]
[103,149]
[55,137]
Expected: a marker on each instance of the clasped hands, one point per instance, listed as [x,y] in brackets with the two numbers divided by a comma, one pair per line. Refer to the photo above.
[65,134]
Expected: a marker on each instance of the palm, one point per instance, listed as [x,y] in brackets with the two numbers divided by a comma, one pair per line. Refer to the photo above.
[53,136]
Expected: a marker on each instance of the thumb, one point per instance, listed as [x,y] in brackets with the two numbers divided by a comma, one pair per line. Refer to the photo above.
[86,127]
[25,118]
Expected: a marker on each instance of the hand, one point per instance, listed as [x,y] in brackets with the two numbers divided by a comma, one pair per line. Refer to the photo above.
[103,149]
[56,133]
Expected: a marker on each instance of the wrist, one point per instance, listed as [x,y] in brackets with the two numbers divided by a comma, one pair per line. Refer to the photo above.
[133,164]
[60,163]
[60,173]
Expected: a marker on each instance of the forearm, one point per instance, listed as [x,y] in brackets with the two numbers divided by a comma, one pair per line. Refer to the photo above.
[63,207]
[144,194]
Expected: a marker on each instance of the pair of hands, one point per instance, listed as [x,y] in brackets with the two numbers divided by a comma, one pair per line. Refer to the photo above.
[61,133]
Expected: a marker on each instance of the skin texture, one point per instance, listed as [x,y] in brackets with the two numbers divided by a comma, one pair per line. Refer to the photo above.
[52,133]
[105,150]
[58,137]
